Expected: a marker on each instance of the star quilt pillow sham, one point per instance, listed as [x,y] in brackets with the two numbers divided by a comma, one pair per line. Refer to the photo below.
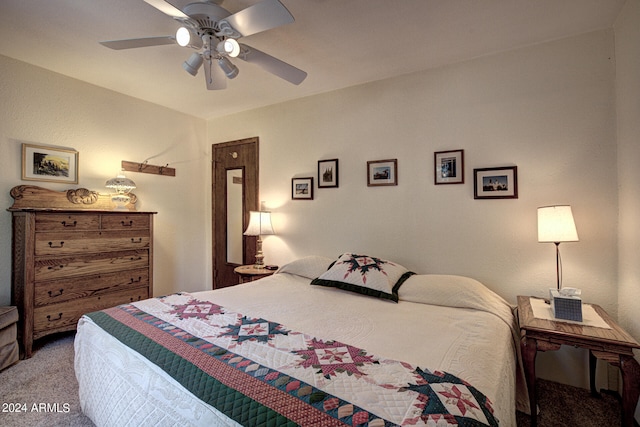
[365,275]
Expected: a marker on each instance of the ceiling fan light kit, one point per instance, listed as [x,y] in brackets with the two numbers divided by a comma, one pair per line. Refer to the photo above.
[186,37]
[193,64]
[213,32]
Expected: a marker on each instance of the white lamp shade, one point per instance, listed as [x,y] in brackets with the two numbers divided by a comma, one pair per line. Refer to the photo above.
[555,224]
[259,224]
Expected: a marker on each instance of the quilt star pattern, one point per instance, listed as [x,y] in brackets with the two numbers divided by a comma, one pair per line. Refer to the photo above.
[252,369]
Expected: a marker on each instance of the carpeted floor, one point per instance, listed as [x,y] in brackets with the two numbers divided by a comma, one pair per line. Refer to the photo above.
[45,390]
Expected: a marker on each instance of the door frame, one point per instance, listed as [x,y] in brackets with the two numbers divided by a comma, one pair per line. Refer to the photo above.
[250,199]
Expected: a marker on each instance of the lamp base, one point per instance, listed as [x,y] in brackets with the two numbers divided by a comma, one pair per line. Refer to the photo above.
[121,201]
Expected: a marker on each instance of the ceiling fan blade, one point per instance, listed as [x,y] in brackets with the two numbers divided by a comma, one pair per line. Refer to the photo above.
[142,42]
[260,17]
[272,65]
[214,75]
[167,8]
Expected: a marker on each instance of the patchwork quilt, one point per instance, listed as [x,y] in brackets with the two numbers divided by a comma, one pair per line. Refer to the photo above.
[258,372]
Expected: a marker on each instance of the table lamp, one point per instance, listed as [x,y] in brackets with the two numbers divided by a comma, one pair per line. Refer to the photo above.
[556,225]
[259,225]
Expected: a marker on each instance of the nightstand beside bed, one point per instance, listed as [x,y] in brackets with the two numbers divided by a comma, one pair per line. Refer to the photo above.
[249,273]
[608,342]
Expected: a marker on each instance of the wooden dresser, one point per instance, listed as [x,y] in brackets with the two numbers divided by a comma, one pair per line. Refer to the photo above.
[73,256]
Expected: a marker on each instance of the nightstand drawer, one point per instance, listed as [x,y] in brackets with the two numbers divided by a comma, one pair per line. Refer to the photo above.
[56,291]
[66,314]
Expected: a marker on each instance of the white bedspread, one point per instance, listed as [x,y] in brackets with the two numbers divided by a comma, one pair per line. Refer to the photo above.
[472,340]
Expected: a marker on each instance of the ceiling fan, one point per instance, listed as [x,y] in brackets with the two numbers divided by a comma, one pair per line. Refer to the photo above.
[214,32]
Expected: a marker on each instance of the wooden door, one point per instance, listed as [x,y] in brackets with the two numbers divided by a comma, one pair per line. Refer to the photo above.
[235,193]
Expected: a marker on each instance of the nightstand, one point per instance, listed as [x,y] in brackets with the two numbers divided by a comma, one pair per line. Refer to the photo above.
[249,273]
[607,341]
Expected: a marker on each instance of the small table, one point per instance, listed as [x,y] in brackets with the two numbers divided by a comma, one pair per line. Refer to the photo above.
[249,273]
[611,345]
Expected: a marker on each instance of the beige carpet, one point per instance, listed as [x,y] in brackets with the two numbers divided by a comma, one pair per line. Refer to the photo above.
[48,378]
[42,391]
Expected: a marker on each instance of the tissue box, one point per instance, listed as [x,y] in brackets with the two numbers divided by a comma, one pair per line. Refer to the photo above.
[568,307]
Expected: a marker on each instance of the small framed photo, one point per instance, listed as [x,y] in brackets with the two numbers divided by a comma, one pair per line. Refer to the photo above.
[449,167]
[302,188]
[328,173]
[495,183]
[382,172]
[40,163]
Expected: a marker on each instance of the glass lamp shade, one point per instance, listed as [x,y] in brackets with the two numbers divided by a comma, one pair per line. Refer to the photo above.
[556,224]
[122,186]
[259,224]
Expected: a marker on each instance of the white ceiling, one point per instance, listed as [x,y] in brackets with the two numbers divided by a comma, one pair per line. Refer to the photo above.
[340,43]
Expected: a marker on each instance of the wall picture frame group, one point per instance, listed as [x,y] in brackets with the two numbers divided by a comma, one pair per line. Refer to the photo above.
[495,183]
[448,167]
[328,173]
[382,172]
[302,188]
[51,164]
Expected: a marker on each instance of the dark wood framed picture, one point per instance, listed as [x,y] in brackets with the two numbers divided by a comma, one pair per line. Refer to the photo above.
[448,167]
[382,172]
[495,183]
[328,173]
[41,163]
[302,188]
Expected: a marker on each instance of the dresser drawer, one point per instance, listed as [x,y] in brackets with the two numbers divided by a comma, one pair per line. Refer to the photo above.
[110,262]
[90,241]
[125,222]
[56,291]
[65,315]
[66,222]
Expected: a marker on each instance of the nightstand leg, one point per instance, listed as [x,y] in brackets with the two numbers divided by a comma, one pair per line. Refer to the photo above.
[630,388]
[529,349]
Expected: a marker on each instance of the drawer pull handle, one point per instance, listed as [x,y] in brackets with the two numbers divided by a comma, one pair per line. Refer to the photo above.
[71,224]
[56,247]
[53,320]
[132,299]
[136,259]
[52,267]
[139,240]
[136,281]
[125,224]
[56,295]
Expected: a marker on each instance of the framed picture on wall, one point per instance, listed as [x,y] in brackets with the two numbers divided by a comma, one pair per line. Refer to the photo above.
[302,188]
[41,163]
[328,173]
[382,172]
[448,167]
[495,183]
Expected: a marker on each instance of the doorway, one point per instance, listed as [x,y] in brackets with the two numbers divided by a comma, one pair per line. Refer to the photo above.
[235,193]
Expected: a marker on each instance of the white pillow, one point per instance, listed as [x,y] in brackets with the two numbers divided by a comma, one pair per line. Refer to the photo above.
[309,266]
[365,275]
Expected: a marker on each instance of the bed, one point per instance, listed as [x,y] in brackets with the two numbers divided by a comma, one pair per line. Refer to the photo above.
[320,342]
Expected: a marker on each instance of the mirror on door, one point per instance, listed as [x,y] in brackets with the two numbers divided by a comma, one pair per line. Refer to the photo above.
[235,211]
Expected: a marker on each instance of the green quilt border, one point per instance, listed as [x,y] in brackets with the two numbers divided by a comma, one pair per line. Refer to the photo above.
[230,402]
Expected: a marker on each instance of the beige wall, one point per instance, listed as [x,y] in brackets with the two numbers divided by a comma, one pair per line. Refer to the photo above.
[44,108]
[627,33]
[549,109]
